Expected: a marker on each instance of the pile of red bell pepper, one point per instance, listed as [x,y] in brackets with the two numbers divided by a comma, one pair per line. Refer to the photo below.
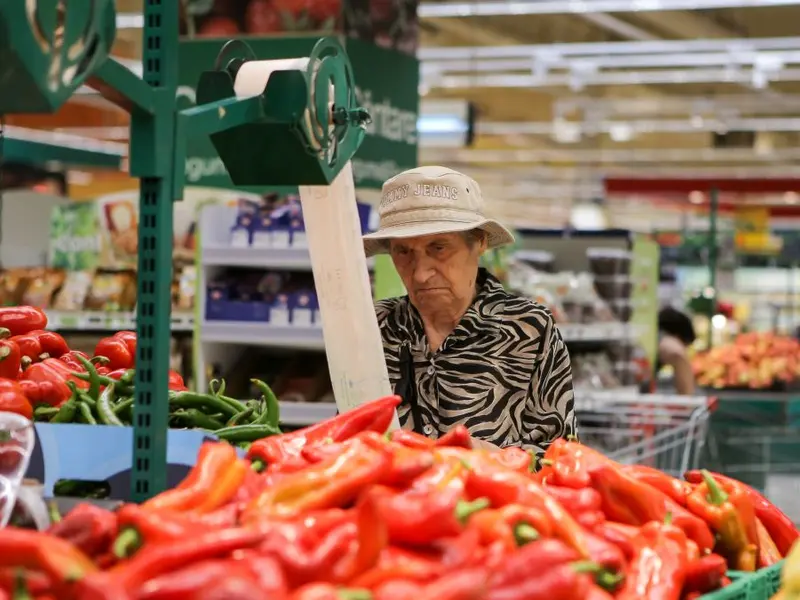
[38,368]
[342,510]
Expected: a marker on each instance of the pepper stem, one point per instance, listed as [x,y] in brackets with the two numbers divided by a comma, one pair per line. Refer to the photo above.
[354,594]
[534,464]
[127,543]
[4,333]
[258,465]
[525,534]
[217,387]
[464,509]
[53,513]
[21,587]
[4,352]
[668,518]
[608,581]
[586,567]
[546,462]
[716,495]
[25,362]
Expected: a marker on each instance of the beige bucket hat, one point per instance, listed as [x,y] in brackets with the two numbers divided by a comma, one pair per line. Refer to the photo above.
[431,200]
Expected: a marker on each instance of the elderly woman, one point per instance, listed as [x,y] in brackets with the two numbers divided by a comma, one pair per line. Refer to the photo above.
[459,348]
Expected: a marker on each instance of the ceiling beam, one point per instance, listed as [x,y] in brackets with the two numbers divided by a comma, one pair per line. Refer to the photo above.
[619,27]
[684,25]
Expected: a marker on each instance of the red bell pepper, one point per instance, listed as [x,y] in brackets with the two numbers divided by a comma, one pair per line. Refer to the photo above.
[705,574]
[576,502]
[503,487]
[560,582]
[212,482]
[38,551]
[18,320]
[194,581]
[731,515]
[676,489]
[568,463]
[13,399]
[658,569]
[512,525]
[629,501]
[411,439]
[71,359]
[285,449]
[463,584]
[175,382]
[329,484]
[89,528]
[40,344]
[514,458]
[119,349]
[620,535]
[768,553]
[10,359]
[46,382]
[780,527]
[457,437]
[431,508]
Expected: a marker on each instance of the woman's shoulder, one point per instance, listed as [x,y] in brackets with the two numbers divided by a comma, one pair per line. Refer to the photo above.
[383,308]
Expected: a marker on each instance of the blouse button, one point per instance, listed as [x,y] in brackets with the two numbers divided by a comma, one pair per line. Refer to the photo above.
[428,429]
[431,370]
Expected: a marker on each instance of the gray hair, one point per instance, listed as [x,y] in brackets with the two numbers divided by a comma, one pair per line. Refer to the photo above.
[473,236]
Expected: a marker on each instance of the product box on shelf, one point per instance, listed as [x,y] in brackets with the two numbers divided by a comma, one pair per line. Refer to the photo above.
[97,453]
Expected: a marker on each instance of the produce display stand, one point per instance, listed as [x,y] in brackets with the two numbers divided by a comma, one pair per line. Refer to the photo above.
[273,123]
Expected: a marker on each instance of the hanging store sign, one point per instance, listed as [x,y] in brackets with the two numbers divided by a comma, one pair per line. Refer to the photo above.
[390,145]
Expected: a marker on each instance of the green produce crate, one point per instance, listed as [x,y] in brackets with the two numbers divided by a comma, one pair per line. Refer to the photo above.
[761,585]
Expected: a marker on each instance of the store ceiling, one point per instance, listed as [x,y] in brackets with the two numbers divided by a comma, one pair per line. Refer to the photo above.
[553,121]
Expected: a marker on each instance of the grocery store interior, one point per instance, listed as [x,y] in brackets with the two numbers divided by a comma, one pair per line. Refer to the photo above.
[643,152]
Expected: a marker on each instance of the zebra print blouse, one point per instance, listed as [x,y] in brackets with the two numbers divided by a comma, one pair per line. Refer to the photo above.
[504,372]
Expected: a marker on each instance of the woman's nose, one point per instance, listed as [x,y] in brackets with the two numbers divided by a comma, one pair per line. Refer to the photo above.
[423,269]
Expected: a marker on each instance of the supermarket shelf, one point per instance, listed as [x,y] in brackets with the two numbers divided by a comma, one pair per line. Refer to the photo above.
[597,332]
[261,334]
[306,413]
[261,258]
[108,321]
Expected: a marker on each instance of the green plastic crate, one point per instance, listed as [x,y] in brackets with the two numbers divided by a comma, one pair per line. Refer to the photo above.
[761,585]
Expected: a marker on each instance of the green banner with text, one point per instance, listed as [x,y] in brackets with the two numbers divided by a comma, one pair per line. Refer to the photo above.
[386,84]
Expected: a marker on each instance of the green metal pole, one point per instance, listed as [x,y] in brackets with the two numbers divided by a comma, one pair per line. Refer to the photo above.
[712,258]
[152,151]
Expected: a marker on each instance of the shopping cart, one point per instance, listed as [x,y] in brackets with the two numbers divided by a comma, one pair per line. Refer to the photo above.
[662,431]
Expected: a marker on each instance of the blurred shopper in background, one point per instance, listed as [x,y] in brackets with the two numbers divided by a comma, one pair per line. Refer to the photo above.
[676,334]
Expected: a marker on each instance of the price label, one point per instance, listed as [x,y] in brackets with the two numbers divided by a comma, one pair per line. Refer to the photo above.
[279,317]
[262,239]
[302,317]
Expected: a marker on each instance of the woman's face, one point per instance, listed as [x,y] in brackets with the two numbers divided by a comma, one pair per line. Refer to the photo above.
[438,271]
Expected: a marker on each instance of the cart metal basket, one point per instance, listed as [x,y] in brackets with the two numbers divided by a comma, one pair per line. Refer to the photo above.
[662,431]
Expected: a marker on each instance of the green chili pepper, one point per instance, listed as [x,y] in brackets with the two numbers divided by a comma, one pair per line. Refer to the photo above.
[241,417]
[105,409]
[217,387]
[86,413]
[272,413]
[199,420]
[44,412]
[66,413]
[246,433]
[195,400]
[122,406]
[94,378]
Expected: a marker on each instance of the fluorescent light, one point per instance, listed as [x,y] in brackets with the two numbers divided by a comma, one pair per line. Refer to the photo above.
[636,126]
[441,124]
[130,20]
[615,155]
[554,7]
[734,46]
[768,61]
[608,78]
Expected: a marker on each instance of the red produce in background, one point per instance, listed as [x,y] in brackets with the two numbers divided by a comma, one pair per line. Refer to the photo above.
[262,17]
[219,27]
